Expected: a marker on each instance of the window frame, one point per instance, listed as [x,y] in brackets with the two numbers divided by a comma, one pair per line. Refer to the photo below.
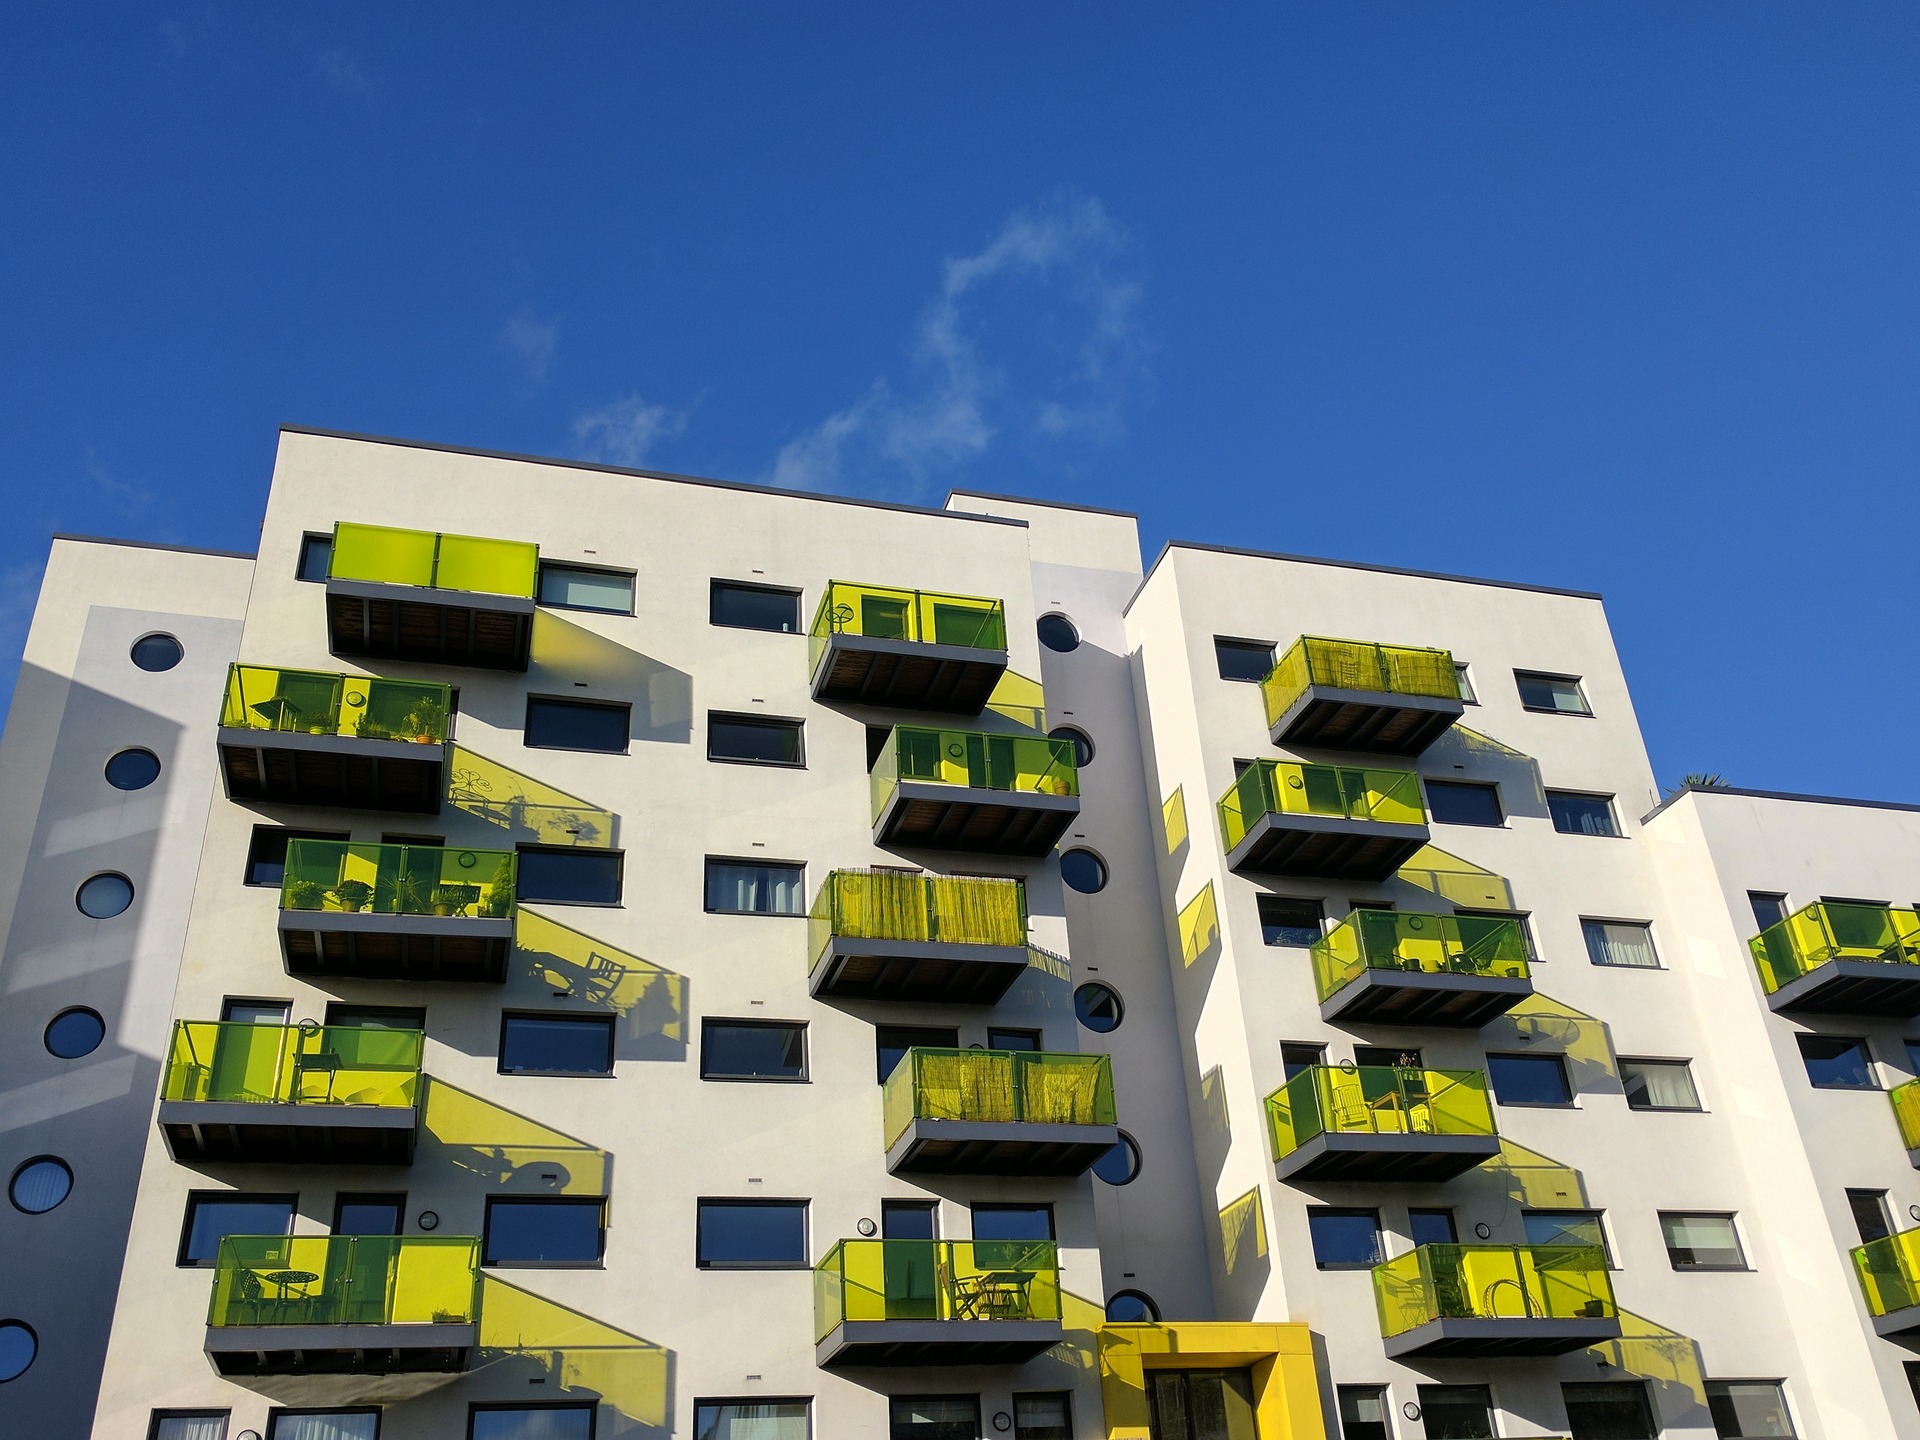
[156,1417]
[1463,681]
[752,1202]
[550,1202]
[592,1407]
[1560,1063]
[975,1208]
[1244,645]
[805,1077]
[706,875]
[1732,1217]
[307,543]
[715,584]
[619,858]
[804,1401]
[1425,1397]
[1685,1066]
[1644,926]
[1860,1042]
[1613,813]
[1599,1218]
[893,1400]
[1064,1396]
[632,577]
[1780,1390]
[1264,900]
[1341,1212]
[195,1198]
[1520,677]
[797,726]
[1484,787]
[292,833]
[602,1021]
[1776,898]
[274,1414]
[1570,1390]
[575,702]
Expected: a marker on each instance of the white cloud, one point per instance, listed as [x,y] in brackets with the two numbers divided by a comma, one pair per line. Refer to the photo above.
[533,342]
[622,433]
[343,73]
[129,497]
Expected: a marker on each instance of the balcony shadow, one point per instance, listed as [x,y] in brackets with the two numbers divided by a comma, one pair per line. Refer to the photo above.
[494,1150]
[564,653]
[1200,927]
[1245,1257]
[1470,753]
[1020,699]
[526,1337]
[527,809]
[1670,1361]
[650,1000]
[1458,882]
[1173,825]
[1583,1039]
[1214,1138]
[1535,1181]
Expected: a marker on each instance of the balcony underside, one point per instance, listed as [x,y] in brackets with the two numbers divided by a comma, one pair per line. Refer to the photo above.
[908,674]
[936,1342]
[1369,721]
[310,1134]
[1417,997]
[342,774]
[1426,1159]
[919,970]
[957,817]
[439,627]
[1490,1339]
[339,1349]
[1902,1327]
[355,944]
[1328,847]
[1023,1147]
[1852,987]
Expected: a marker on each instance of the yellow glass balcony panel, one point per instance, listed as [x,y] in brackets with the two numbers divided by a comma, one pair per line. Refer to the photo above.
[882,612]
[1822,932]
[998,1086]
[398,879]
[318,702]
[383,554]
[220,1061]
[1889,1272]
[1032,764]
[1486,1282]
[956,1280]
[1352,792]
[345,1280]
[896,905]
[1357,665]
[1409,940]
[1376,1100]
[1906,1112]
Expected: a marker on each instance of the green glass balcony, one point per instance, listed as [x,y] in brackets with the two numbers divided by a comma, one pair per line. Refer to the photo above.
[352,742]
[322,1094]
[891,935]
[998,1112]
[907,649]
[1492,1301]
[396,912]
[1842,959]
[344,1304]
[1888,1270]
[417,595]
[1906,1114]
[1332,822]
[1373,1122]
[936,1302]
[1353,695]
[964,790]
[1402,967]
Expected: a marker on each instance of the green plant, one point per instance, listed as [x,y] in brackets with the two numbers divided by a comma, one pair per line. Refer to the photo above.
[409,895]
[352,894]
[453,899]
[426,721]
[306,895]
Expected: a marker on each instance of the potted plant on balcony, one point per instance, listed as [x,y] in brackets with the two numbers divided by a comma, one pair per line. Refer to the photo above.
[409,895]
[425,723]
[352,894]
[306,895]
[496,900]
[454,899]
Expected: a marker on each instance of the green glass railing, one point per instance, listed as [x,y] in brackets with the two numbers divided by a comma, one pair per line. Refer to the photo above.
[881,612]
[318,702]
[1032,764]
[1809,938]
[958,1280]
[1039,1087]
[388,556]
[1285,787]
[1486,1282]
[1409,940]
[1357,665]
[345,1280]
[1889,1272]
[398,879]
[1376,1100]
[221,1061]
[896,905]
[1906,1112]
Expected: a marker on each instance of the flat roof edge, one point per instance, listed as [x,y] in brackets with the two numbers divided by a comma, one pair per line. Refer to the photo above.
[154,545]
[1043,504]
[1793,795]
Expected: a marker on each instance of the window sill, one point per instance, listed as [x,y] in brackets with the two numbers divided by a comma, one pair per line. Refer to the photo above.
[1470,824]
[526,744]
[740,1266]
[557,1074]
[1586,834]
[758,1079]
[584,609]
[759,914]
[1356,1265]
[1714,1270]
[1854,1089]
[1668,1109]
[1535,1104]
[1555,710]
[757,629]
[757,764]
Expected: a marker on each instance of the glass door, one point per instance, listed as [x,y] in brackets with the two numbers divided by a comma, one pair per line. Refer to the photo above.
[1202,1405]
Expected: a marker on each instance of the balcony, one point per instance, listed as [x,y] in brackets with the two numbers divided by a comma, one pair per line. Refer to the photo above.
[1398,967]
[964,790]
[274,1094]
[1839,959]
[1327,822]
[890,935]
[907,649]
[396,912]
[350,742]
[343,1304]
[1492,1301]
[1373,1122]
[1889,1273]
[936,1302]
[1906,1114]
[1351,695]
[417,595]
[998,1112]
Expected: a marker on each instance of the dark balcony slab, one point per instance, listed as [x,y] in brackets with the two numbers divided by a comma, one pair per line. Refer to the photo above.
[908,674]
[1422,1158]
[958,817]
[1443,1000]
[1018,1147]
[279,1134]
[1488,1339]
[917,970]
[1852,987]
[1374,722]
[358,944]
[1327,847]
[1902,1327]
[340,1349]
[936,1342]
[339,772]
[440,627]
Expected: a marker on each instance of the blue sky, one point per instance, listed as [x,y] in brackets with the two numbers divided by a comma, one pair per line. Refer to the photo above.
[1613,296]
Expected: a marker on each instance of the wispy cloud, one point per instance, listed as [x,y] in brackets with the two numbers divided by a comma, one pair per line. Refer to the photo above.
[343,73]
[624,432]
[130,497]
[533,342]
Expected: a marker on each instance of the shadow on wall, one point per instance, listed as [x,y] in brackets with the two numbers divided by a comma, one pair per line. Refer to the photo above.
[1199,926]
[1244,1256]
[1535,1181]
[1457,881]
[1554,1027]
[1648,1350]
[1483,757]
[527,809]
[1020,700]
[495,1150]
[662,697]
[1213,1137]
[650,1000]
[525,1337]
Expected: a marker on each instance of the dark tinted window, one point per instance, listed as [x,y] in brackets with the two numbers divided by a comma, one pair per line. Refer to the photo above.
[1083,871]
[556,1045]
[1289,922]
[1768,909]
[1560,693]
[1609,1411]
[1013,1222]
[1431,1227]
[1456,1412]
[76,1032]
[1835,1062]
[1098,1007]
[369,1214]
[754,740]
[1043,1417]
[1006,1039]
[1081,742]
[1871,1217]
[267,851]
[751,1234]
[893,1041]
[376,1017]
[543,1232]
[754,607]
[1132,1307]
[1529,1079]
[569,877]
[1343,1239]
[316,554]
[1120,1163]
[577,725]
[1057,633]
[752,1050]
[909,1220]
[133,769]
[1242,659]
[748,887]
[1577,814]
[1566,1227]
[576,587]
[211,1216]
[1363,1413]
[527,1422]
[933,1417]
[1748,1410]
[1298,1055]
[1701,1241]
[157,652]
[1459,802]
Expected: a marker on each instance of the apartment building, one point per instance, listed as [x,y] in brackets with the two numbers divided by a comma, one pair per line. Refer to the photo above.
[549,952]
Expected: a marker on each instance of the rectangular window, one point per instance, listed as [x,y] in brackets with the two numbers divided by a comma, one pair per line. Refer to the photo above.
[909,1220]
[562,876]
[1577,813]
[580,587]
[236,1011]
[754,740]
[543,1232]
[1463,802]
[530,1422]
[1363,1412]
[1389,1057]
[1298,1055]
[752,1419]
[1043,1417]
[323,1425]
[1836,1062]
[375,1017]
[1344,1239]
[1013,1222]
[1701,1241]
[1529,1080]
[1243,659]
[1005,1039]
[1749,1410]
[1871,1218]
[751,1235]
[214,1214]
[753,1050]
[1559,694]
[1457,1412]
[1519,917]
[891,1043]
[267,851]
[368,1214]
[1608,1410]
[1658,1085]
[1769,909]
[1626,943]
[1285,921]
[188,1424]
[740,606]
[755,887]
[1566,1227]
[316,558]
[595,725]
[1465,681]
[1431,1227]
[933,1417]
[556,1044]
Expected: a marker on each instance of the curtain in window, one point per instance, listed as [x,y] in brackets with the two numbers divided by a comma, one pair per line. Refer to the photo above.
[341,1425]
[1666,1087]
[567,1422]
[191,1427]
[1611,944]
[755,889]
[782,1420]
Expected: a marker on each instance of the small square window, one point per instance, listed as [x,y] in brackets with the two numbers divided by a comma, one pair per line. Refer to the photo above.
[323,1425]
[1286,921]
[1243,659]
[1872,1219]
[1298,1055]
[568,876]
[556,1044]
[577,725]
[188,1425]
[933,1417]
[1005,1038]
[1012,1222]
[740,606]
[580,587]
[891,1043]
[267,851]
[1464,802]
[1701,1241]
[316,558]
[1363,1412]
[213,1215]
[1608,1410]
[544,1232]
[375,1017]
[753,1050]
[530,1422]
[1566,1227]
[751,1235]
[1529,1080]
[1837,1062]
[1749,1410]
[1627,944]
[753,1419]
[1457,1412]
[1559,694]
[754,887]
[1464,680]
[1577,813]
[369,1214]
[755,740]
[1344,1239]
[1432,1227]
[1769,909]
[1658,1085]
[1043,1417]
[1519,918]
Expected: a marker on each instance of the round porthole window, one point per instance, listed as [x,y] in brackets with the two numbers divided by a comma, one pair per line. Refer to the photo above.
[1082,746]
[1132,1307]
[18,1346]
[104,896]
[1098,1007]
[1084,871]
[40,1185]
[1057,633]
[76,1032]
[157,652]
[133,769]
[1120,1163]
